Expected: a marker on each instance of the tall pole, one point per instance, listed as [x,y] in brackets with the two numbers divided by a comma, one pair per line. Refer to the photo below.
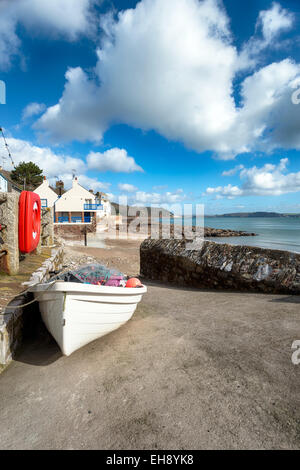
[85,236]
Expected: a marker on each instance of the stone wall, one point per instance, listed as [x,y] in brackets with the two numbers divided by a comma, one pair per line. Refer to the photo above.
[9,242]
[74,231]
[15,319]
[221,266]
[47,227]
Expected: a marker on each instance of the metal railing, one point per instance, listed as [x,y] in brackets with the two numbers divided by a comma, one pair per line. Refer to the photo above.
[92,207]
[74,220]
[62,220]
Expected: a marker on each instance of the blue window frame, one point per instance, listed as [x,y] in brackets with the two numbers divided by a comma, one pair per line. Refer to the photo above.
[92,207]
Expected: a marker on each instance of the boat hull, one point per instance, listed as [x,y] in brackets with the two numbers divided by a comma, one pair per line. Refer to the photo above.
[76,314]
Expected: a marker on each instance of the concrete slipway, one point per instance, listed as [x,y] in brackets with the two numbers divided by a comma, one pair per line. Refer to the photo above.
[193,369]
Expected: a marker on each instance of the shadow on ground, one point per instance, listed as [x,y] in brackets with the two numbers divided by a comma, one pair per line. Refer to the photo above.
[291,299]
[38,348]
[191,370]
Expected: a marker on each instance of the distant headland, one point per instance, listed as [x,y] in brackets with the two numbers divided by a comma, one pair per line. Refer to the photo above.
[255,214]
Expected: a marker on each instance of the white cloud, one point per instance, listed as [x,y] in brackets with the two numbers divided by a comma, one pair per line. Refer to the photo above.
[50,162]
[114,159]
[85,181]
[128,188]
[145,198]
[274,21]
[178,80]
[268,117]
[269,180]
[32,109]
[55,18]
[148,72]
[54,165]
[233,171]
[228,191]
[9,41]
[62,121]
[270,24]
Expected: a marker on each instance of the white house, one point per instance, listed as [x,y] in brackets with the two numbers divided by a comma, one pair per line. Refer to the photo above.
[3,184]
[105,202]
[78,205]
[47,195]
[6,183]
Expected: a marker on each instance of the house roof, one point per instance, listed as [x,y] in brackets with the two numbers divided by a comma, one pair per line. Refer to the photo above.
[6,174]
[56,190]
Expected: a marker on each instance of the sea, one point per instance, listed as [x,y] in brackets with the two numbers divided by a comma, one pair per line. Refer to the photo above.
[278,233]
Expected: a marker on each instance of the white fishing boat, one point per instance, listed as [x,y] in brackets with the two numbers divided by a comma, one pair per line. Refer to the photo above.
[76,314]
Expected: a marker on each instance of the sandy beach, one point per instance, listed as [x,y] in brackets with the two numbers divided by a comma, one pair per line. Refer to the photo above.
[192,369]
[120,254]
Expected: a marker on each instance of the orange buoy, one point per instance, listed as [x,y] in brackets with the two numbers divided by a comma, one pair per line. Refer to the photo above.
[29,221]
[133,282]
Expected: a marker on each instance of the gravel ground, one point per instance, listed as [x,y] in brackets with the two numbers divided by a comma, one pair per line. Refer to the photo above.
[192,369]
[119,254]
[73,260]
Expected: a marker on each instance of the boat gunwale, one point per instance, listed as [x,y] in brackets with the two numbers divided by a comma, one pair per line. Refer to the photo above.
[69,288]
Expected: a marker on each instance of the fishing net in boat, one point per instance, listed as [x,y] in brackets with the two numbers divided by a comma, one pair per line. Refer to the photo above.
[98,274]
[93,273]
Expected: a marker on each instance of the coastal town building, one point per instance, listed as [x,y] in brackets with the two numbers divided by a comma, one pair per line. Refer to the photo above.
[78,205]
[105,202]
[47,194]
[7,185]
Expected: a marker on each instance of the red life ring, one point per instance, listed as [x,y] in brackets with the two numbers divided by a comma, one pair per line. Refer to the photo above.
[29,221]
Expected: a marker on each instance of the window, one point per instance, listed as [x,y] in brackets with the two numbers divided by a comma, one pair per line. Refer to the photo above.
[3,184]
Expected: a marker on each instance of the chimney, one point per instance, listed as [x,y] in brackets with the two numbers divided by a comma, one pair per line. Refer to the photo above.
[74,182]
[45,181]
[60,186]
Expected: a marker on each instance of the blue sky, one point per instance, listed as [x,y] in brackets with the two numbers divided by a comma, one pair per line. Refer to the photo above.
[180,101]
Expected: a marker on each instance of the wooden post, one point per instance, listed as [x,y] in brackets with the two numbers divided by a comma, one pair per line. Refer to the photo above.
[82,217]
[70,219]
[85,235]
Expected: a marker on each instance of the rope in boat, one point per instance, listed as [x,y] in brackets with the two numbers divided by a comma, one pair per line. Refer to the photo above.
[31,301]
